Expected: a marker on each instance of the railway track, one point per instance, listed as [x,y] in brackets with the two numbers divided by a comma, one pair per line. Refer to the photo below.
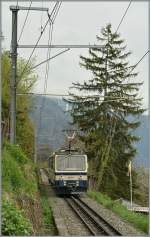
[94,222]
[45,171]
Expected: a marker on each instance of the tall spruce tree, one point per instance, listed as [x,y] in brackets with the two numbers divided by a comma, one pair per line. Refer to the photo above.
[108,112]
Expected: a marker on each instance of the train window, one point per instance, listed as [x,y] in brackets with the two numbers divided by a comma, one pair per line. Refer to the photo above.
[70,163]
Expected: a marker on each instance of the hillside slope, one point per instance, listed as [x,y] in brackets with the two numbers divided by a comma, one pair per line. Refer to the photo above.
[53,121]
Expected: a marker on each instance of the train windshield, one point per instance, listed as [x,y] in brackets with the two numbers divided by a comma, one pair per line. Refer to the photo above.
[70,162]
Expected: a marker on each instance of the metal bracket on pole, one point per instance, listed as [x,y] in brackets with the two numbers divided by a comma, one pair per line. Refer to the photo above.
[50,58]
[14,8]
[73,46]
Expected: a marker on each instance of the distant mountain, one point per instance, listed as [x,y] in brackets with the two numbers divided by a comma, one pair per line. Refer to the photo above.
[55,119]
[142,158]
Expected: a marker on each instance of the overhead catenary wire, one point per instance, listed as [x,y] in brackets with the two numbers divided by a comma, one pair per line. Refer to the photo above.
[124,15]
[132,67]
[51,22]
[67,95]
[46,74]
[42,17]
[20,76]
[46,77]
[139,61]
[56,12]
[25,21]
[61,94]
[48,56]
[53,19]
[39,64]
[122,18]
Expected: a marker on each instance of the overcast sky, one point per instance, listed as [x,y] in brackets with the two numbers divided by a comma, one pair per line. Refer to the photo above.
[79,23]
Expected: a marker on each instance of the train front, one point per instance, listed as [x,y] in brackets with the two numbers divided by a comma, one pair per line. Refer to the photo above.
[71,173]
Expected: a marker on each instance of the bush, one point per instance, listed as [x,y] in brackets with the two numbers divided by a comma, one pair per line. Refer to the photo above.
[138,220]
[12,176]
[17,176]
[13,221]
[17,153]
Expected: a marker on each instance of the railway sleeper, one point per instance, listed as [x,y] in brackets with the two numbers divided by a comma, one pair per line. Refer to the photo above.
[79,212]
[103,224]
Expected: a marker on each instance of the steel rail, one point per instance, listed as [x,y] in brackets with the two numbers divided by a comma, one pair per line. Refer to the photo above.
[107,226]
[81,217]
[100,225]
[45,171]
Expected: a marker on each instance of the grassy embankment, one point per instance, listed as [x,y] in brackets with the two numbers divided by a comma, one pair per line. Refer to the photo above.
[139,221]
[24,212]
[48,220]
[18,179]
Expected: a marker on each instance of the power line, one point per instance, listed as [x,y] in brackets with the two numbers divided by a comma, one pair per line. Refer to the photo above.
[38,40]
[50,58]
[124,16]
[139,61]
[42,17]
[46,75]
[67,95]
[51,21]
[61,94]
[25,21]
[56,12]
[44,94]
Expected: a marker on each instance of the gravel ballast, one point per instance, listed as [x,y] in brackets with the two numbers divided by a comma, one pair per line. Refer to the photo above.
[67,222]
[121,225]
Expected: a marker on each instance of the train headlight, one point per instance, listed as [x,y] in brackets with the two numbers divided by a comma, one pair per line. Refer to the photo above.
[61,177]
[64,183]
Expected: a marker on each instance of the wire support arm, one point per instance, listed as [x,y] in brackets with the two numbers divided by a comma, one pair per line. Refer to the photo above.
[13,8]
[61,46]
[58,54]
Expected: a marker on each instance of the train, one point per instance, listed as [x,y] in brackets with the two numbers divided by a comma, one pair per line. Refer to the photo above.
[68,172]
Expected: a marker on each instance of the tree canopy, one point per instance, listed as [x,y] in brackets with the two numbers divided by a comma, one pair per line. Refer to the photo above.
[107,108]
[25,83]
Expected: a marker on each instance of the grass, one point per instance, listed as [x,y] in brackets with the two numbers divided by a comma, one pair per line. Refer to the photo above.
[17,171]
[48,219]
[18,177]
[139,221]
[13,221]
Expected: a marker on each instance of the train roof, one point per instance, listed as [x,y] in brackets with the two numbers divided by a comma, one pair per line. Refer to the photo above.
[72,152]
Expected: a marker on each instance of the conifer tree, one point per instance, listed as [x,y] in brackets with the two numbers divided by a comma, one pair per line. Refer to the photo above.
[107,110]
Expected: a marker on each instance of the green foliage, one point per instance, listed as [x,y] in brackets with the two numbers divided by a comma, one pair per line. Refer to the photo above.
[25,83]
[47,213]
[142,192]
[108,113]
[138,220]
[18,175]
[13,221]
[17,153]
[48,224]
